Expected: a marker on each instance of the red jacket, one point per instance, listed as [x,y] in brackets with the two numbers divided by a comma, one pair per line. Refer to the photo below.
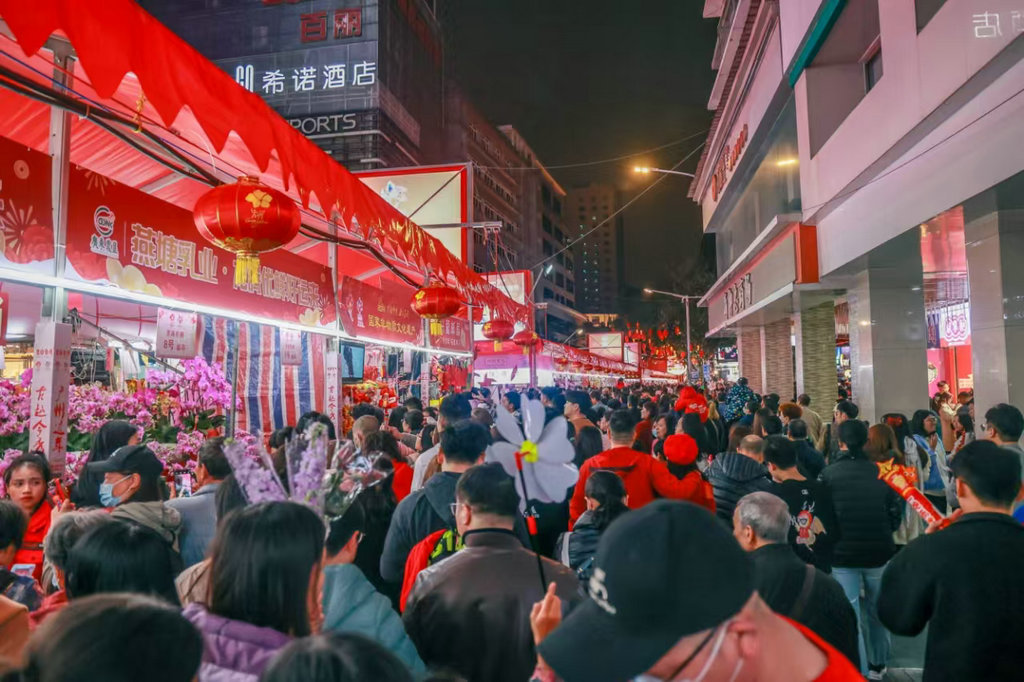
[692,401]
[402,481]
[52,604]
[31,551]
[437,546]
[646,479]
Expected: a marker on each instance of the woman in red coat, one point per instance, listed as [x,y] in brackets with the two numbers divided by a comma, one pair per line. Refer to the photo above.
[26,480]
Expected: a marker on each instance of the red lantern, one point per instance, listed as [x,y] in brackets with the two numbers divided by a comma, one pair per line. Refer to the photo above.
[527,339]
[436,301]
[498,329]
[246,218]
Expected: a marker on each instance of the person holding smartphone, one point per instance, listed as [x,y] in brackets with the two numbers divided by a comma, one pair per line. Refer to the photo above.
[25,481]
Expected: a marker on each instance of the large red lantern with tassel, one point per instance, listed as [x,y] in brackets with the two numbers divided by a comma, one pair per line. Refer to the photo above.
[498,329]
[436,301]
[246,218]
[527,340]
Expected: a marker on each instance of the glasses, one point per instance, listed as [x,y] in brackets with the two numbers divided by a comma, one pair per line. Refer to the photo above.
[454,507]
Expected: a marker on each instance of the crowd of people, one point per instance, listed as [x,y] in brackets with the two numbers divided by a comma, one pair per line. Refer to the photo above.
[710,535]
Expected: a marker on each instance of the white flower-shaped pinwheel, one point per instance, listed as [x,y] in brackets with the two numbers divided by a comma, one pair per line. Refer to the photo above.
[546,451]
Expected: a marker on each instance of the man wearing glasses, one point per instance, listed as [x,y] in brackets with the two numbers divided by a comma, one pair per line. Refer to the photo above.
[673,598]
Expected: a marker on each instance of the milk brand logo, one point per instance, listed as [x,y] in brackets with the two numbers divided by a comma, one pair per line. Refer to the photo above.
[101,243]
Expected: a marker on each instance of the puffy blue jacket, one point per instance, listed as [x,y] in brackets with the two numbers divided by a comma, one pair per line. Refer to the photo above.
[352,604]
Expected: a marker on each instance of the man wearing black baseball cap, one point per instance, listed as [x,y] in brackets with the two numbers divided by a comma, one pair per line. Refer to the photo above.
[131,485]
[673,598]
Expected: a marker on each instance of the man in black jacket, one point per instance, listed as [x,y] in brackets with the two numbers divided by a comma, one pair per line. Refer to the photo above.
[964,581]
[791,587]
[867,511]
[809,461]
[734,474]
[429,508]
[471,612]
[813,530]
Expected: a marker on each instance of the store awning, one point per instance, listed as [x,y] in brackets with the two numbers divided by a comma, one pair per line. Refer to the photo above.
[154,114]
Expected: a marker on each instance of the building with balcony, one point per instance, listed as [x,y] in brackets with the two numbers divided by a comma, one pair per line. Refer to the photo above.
[863,158]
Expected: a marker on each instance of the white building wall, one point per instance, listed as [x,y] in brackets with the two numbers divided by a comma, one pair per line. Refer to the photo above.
[924,76]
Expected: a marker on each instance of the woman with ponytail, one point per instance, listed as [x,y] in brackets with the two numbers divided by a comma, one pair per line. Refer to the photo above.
[606,501]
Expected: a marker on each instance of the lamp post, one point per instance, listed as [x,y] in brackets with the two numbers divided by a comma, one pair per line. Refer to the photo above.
[686,304]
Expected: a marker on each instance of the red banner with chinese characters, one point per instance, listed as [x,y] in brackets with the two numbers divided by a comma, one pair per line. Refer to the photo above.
[26,224]
[451,333]
[368,312]
[124,237]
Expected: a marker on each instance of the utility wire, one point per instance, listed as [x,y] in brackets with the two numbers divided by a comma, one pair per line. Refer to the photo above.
[613,159]
[620,209]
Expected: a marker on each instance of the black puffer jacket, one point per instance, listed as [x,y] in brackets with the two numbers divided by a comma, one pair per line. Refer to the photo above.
[867,510]
[732,476]
[578,546]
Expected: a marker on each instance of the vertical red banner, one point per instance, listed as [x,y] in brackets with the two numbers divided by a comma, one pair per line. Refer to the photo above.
[51,380]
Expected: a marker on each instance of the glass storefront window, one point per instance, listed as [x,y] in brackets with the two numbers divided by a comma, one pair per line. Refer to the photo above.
[773,189]
[947,301]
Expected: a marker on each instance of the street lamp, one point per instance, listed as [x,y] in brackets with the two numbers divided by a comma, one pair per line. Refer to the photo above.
[647,170]
[686,303]
[546,271]
[569,338]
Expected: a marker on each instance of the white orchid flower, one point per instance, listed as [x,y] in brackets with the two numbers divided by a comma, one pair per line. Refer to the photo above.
[546,452]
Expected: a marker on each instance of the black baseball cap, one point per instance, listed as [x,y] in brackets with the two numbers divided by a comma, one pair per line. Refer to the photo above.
[130,459]
[662,572]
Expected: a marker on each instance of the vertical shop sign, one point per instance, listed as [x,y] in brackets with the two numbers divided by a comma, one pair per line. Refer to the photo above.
[291,347]
[51,379]
[425,383]
[332,384]
[176,333]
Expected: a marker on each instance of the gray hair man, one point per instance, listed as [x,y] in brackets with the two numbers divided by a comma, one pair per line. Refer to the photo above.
[789,586]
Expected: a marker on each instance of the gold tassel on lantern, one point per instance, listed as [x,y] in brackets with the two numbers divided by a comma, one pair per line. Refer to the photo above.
[247,269]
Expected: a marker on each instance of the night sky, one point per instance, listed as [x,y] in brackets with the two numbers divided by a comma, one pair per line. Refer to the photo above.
[584,80]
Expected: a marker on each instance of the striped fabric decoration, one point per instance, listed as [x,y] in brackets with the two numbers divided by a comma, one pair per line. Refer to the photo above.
[271,395]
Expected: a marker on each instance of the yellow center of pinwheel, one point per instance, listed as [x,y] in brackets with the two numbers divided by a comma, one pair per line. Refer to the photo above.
[529,450]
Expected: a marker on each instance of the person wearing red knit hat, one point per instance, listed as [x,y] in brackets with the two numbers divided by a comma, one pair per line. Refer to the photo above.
[681,453]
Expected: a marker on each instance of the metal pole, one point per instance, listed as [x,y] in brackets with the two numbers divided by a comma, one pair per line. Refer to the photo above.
[689,374]
[60,152]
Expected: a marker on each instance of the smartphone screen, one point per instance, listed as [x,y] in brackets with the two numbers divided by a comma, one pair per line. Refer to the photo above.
[183,484]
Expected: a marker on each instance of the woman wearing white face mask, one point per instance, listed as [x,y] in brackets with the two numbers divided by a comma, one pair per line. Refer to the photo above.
[131,486]
[687,613]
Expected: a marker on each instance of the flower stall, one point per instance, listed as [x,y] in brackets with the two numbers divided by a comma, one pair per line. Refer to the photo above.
[124,186]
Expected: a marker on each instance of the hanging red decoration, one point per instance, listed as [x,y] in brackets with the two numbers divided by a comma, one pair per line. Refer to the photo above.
[436,301]
[677,331]
[246,218]
[498,329]
[527,339]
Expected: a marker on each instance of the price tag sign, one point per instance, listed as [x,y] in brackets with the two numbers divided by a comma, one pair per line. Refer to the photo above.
[176,333]
[291,347]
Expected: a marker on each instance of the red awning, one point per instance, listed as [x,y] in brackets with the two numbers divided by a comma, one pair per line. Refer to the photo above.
[132,77]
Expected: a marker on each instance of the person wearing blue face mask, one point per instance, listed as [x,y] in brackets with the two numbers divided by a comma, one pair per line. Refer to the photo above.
[131,486]
[687,612]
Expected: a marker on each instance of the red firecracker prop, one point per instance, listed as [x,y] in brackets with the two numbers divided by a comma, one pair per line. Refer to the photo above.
[246,218]
[436,301]
[901,479]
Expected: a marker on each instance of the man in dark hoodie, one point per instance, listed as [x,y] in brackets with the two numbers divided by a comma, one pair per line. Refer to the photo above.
[428,509]
[735,474]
